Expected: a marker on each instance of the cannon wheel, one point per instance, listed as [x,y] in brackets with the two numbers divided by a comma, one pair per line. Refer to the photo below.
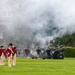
[60,56]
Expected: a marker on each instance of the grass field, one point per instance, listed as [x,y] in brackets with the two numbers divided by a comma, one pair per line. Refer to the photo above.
[40,67]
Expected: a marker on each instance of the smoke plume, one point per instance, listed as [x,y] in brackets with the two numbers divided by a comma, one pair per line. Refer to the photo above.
[36,21]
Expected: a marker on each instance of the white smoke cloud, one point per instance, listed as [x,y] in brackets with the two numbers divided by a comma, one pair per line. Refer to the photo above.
[38,20]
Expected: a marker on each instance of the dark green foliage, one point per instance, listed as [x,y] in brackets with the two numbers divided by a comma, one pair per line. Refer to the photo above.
[67,40]
[69,52]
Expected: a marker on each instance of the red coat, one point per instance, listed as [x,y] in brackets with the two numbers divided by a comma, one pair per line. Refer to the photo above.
[8,52]
[14,51]
[1,51]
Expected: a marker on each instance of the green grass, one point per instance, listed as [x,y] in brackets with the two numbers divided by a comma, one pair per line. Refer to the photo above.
[40,67]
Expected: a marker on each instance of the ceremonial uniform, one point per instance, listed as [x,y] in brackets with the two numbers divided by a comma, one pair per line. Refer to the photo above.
[14,52]
[11,55]
[2,56]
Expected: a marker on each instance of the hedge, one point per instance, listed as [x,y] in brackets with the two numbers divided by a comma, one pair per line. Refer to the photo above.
[69,52]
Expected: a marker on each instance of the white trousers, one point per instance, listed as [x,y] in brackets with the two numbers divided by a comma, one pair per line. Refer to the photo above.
[12,60]
[2,59]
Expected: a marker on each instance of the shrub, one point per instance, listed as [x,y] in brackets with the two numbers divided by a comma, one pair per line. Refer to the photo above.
[69,52]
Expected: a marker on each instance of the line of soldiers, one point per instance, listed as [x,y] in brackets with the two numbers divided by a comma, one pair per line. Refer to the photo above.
[9,53]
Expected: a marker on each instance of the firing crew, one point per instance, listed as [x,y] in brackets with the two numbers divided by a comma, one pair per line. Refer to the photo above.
[27,52]
[38,51]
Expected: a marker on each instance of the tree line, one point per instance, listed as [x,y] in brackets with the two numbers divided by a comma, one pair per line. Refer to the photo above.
[67,40]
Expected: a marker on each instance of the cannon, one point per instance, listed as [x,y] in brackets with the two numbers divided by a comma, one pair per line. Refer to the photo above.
[58,54]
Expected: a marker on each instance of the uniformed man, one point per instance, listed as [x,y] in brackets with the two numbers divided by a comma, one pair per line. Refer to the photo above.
[2,56]
[27,52]
[38,51]
[11,55]
[14,53]
[49,53]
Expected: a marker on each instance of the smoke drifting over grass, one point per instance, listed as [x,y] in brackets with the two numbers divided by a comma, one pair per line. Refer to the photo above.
[38,21]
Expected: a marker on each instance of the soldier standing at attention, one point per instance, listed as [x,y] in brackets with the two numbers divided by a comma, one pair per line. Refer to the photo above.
[2,56]
[11,55]
[14,53]
[8,52]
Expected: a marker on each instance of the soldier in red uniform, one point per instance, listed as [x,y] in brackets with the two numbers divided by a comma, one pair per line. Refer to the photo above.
[2,56]
[14,52]
[8,52]
[11,55]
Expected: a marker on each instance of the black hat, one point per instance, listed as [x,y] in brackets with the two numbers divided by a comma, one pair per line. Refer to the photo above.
[1,46]
[10,44]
